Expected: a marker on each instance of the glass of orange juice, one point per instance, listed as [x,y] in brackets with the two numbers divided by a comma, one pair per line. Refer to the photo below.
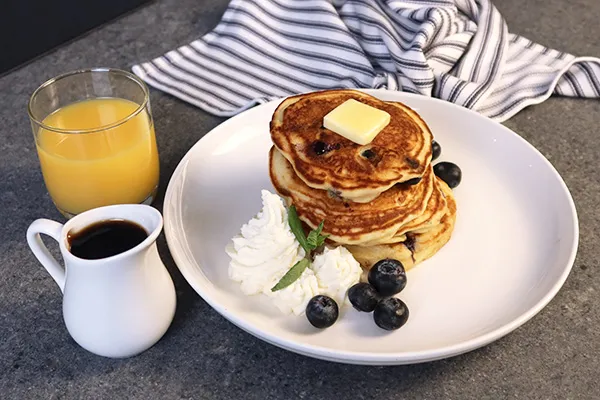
[95,139]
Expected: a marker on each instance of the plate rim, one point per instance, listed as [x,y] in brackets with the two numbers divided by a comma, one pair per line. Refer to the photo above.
[355,357]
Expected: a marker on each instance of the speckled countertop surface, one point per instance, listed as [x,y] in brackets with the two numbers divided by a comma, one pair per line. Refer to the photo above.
[554,356]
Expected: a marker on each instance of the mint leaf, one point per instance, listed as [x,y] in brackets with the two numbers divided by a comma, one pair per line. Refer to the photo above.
[315,239]
[292,275]
[296,227]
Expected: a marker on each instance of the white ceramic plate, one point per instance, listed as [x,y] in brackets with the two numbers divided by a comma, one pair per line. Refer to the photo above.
[512,249]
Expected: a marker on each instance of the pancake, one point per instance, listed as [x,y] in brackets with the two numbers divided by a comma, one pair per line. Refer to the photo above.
[431,217]
[327,161]
[433,214]
[418,246]
[348,222]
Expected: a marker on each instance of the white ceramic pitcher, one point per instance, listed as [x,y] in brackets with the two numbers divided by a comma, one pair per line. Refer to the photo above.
[117,306]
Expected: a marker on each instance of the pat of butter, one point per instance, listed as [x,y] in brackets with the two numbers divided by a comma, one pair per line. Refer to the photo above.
[356,121]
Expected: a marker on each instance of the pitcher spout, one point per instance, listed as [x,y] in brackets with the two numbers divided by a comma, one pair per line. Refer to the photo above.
[147,217]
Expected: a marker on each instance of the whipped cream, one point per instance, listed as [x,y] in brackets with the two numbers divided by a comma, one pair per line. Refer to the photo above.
[266,249]
[294,298]
[336,271]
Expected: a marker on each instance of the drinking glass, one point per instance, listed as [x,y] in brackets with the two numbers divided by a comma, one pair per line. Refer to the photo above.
[95,139]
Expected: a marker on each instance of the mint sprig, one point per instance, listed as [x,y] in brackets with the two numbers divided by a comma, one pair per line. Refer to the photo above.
[308,243]
[292,275]
[315,239]
[297,230]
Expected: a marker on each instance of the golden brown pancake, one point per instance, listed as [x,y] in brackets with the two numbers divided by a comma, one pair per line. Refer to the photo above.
[418,246]
[348,222]
[431,217]
[327,161]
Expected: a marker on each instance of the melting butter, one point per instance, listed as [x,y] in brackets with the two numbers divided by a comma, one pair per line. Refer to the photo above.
[356,121]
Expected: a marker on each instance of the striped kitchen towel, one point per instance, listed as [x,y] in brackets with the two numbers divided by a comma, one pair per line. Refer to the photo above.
[456,50]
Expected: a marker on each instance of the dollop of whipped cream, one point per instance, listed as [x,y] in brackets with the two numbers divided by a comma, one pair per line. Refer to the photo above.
[336,271]
[266,249]
[294,298]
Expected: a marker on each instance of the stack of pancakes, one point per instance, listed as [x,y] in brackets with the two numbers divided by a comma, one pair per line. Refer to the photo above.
[380,200]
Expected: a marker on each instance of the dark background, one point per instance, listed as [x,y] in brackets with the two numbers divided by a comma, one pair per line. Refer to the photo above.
[29,28]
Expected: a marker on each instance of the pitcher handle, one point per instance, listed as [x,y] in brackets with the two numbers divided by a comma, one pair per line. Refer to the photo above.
[39,249]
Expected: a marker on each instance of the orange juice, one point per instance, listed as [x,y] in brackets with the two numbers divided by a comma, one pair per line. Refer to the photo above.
[110,166]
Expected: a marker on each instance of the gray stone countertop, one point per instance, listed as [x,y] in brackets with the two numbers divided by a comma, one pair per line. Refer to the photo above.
[554,356]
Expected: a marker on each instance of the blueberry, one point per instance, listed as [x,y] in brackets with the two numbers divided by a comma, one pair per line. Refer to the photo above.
[322,311]
[413,181]
[320,147]
[388,277]
[363,297]
[368,153]
[436,150]
[390,314]
[449,173]
[410,242]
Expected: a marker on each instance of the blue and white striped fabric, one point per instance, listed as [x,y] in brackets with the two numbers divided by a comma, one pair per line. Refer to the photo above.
[456,50]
